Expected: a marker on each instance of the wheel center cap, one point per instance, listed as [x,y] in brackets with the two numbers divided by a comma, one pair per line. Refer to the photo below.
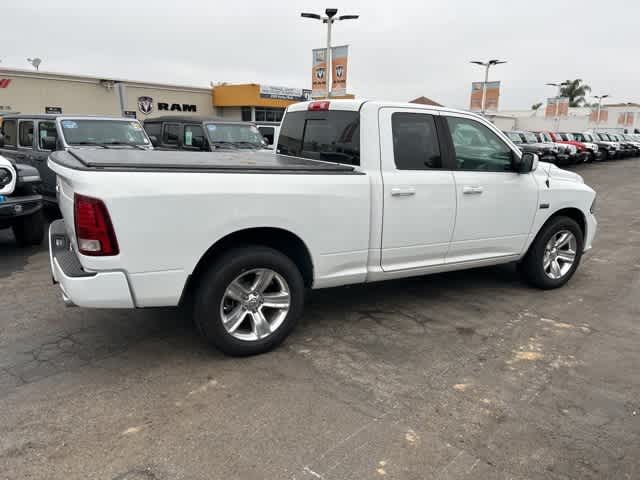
[253,301]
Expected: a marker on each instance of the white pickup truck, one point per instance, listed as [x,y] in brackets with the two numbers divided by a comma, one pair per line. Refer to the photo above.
[357,191]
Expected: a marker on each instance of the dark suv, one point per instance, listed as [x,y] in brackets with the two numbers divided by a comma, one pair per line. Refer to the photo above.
[202,134]
[29,139]
[20,205]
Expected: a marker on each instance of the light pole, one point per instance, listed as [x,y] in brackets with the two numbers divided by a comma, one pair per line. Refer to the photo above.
[559,86]
[487,66]
[599,97]
[329,19]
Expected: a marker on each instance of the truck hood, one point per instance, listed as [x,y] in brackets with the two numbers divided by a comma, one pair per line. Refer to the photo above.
[553,172]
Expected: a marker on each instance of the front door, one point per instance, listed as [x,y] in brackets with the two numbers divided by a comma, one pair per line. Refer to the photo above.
[496,206]
[419,191]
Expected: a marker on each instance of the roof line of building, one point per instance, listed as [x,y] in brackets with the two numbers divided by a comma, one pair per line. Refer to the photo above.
[93,79]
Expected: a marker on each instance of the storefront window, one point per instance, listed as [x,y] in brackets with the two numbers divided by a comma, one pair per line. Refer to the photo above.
[269,114]
[246,114]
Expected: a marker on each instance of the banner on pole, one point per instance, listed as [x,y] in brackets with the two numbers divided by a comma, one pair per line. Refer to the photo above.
[319,74]
[491,100]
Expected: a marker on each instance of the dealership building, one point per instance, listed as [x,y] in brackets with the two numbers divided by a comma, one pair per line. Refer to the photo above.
[31,92]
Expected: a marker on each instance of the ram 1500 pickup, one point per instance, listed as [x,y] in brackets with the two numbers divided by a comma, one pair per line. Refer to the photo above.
[356,191]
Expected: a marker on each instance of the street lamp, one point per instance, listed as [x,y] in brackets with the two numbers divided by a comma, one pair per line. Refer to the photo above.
[487,65]
[329,19]
[559,86]
[599,97]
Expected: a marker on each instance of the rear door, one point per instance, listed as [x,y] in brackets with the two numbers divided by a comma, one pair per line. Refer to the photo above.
[171,133]
[496,206]
[419,190]
[25,141]
[45,129]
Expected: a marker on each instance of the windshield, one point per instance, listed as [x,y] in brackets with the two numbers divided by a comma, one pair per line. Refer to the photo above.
[569,137]
[103,132]
[514,137]
[580,137]
[234,135]
[530,137]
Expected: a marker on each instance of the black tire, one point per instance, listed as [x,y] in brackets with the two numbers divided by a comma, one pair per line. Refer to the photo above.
[532,268]
[217,278]
[29,230]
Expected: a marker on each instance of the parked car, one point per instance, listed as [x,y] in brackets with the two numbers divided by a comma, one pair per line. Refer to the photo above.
[270,132]
[29,139]
[632,148]
[619,151]
[548,151]
[634,139]
[578,153]
[609,151]
[199,134]
[545,153]
[357,191]
[20,205]
[593,149]
[564,149]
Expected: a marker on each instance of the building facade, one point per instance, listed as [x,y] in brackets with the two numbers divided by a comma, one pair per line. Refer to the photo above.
[33,92]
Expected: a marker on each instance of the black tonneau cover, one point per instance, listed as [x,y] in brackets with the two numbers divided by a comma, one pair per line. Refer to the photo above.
[119,160]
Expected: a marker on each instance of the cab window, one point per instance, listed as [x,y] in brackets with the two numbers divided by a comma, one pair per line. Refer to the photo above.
[10,132]
[47,130]
[25,136]
[477,148]
[415,142]
[193,136]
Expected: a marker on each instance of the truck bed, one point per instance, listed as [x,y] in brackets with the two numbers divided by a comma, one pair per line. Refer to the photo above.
[241,161]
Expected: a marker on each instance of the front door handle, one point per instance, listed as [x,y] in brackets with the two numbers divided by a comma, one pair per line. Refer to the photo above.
[403,192]
[475,190]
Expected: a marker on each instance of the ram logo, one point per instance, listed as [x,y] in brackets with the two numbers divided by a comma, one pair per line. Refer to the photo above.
[339,71]
[145,105]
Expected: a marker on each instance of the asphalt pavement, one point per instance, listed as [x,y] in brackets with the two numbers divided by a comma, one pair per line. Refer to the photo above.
[467,375]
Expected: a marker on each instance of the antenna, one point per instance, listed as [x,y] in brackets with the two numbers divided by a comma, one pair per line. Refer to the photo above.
[35,62]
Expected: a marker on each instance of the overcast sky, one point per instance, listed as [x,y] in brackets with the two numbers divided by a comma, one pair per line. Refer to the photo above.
[399,49]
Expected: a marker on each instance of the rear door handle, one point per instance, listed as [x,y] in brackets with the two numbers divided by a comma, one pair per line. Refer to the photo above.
[474,190]
[403,192]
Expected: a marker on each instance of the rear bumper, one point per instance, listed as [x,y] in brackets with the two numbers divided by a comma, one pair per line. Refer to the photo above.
[80,287]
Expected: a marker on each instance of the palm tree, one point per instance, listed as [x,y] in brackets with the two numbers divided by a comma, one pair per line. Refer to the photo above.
[576,91]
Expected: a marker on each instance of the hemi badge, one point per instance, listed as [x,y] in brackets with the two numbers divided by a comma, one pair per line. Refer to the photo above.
[543,206]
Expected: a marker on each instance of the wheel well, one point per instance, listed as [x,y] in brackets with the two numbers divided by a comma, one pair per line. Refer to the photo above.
[574,214]
[284,241]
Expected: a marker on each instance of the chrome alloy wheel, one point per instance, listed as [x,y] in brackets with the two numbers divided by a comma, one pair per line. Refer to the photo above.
[559,254]
[255,304]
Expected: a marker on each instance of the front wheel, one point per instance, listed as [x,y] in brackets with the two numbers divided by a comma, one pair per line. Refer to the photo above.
[554,255]
[249,300]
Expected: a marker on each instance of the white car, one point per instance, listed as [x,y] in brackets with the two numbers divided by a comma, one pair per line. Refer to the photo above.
[357,191]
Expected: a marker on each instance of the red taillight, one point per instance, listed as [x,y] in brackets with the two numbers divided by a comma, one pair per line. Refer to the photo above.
[317,106]
[94,231]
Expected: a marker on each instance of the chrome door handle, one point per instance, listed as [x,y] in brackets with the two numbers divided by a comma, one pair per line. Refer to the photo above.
[403,192]
[472,190]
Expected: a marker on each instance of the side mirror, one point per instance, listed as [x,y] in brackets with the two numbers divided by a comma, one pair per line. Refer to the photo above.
[154,140]
[526,163]
[49,143]
[198,142]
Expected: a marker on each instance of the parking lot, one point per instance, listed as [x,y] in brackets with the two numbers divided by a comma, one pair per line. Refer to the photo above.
[461,375]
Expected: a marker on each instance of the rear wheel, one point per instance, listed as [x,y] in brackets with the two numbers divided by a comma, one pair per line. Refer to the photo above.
[29,230]
[554,255]
[249,300]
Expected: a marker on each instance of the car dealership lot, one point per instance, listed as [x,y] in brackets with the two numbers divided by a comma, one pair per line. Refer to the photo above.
[463,375]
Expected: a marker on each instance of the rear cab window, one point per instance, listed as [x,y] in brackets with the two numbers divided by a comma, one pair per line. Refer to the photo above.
[330,136]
